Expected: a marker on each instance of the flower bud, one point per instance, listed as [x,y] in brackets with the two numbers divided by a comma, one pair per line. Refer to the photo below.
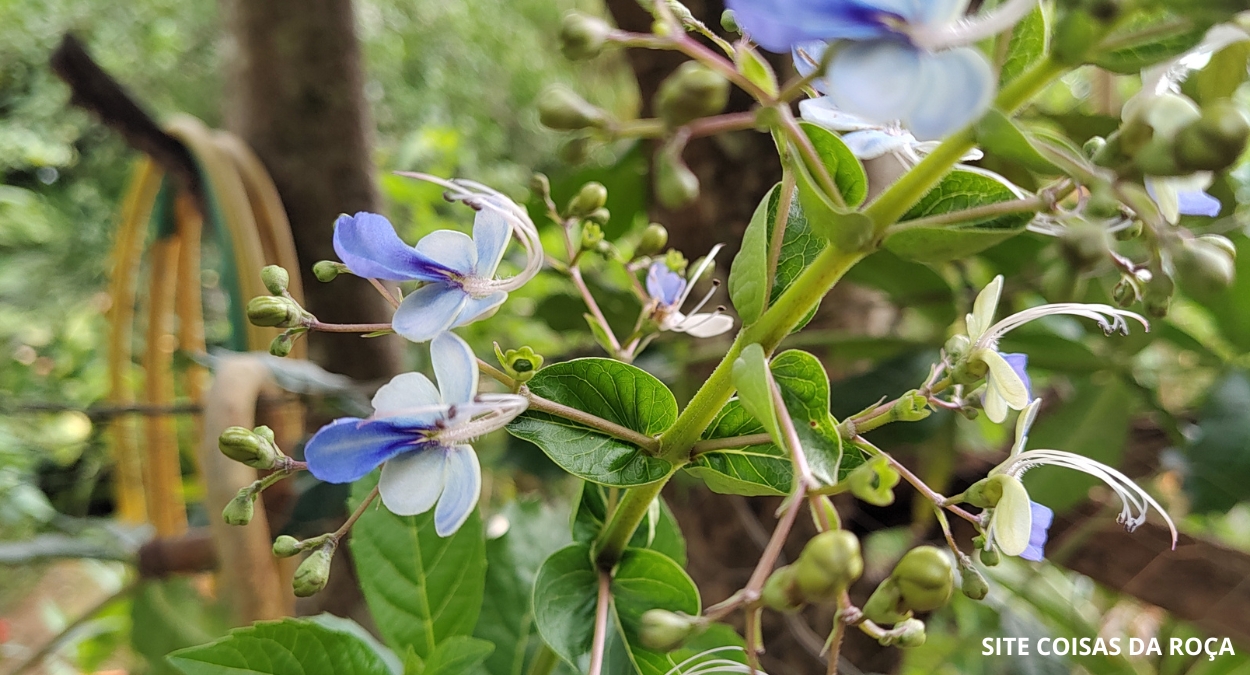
[907,635]
[829,563]
[328,270]
[653,240]
[282,344]
[1203,267]
[665,631]
[561,109]
[985,493]
[676,186]
[1094,146]
[1158,295]
[675,261]
[972,583]
[693,91]
[925,579]
[884,605]
[1132,231]
[592,235]
[540,185]
[519,364]
[582,36]
[1125,293]
[286,546]
[957,347]
[729,22]
[248,447]
[874,482]
[312,574]
[278,311]
[781,591]
[990,557]
[1215,141]
[912,407]
[600,217]
[592,196]
[240,509]
[275,279]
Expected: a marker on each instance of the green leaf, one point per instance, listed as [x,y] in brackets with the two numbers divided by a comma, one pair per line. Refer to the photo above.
[167,615]
[421,588]
[755,69]
[845,228]
[1029,42]
[1222,76]
[535,530]
[566,596]
[1219,475]
[611,390]
[1095,424]
[1144,40]
[846,169]
[750,378]
[286,647]
[658,531]
[748,276]
[998,135]
[456,655]
[959,190]
[766,469]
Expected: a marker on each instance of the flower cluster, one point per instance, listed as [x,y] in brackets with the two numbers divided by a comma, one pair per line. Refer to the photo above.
[669,290]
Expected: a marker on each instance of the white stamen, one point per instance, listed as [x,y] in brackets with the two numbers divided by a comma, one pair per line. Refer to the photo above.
[690,322]
[698,273]
[711,666]
[488,413]
[706,297]
[1110,319]
[970,31]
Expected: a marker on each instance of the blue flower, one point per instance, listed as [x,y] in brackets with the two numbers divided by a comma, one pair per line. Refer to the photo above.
[458,271]
[1043,516]
[420,434]
[896,60]
[669,291]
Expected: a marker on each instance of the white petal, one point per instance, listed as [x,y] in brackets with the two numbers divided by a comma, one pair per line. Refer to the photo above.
[957,87]
[477,309]
[404,394]
[460,494]
[876,80]
[993,404]
[412,482]
[822,111]
[453,249]
[1013,517]
[491,232]
[1003,380]
[706,325]
[455,368]
[984,308]
[428,311]
[868,145]
[1023,423]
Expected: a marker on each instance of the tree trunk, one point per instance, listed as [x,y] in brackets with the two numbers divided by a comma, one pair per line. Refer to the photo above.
[297,97]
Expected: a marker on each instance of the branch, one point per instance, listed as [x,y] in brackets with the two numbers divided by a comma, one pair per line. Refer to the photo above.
[597,647]
[728,443]
[651,445]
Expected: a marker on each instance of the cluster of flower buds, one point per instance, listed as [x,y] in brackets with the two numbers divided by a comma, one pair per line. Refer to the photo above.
[258,449]
[922,581]
[1168,135]
[828,565]
[279,310]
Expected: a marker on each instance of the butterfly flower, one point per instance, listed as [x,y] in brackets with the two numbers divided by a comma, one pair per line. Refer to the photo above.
[669,290]
[458,271]
[421,436]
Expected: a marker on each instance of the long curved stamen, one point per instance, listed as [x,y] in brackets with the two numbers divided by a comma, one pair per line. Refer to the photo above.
[698,273]
[706,297]
[719,665]
[503,409]
[970,31]
[1110,319]
[1131,495]
[689,323]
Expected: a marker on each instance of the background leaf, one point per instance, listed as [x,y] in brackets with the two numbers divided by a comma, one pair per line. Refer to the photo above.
[286,647]
[659,530]
[1219,474]
[614,391]
[421,588]
[1029,43]
[1151,48]
[959,190]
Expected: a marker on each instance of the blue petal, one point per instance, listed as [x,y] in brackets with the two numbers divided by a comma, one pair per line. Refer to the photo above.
[935,12]
[428,311]
[1198,203]
[412,483]
[1042,518]
[454,250]
[348,448]
[878,80]
[368,245]
[957,88]
[1020,364]
[455,368]
[479,308]
[490,233]
[779,25]
[461,487]
[664,284]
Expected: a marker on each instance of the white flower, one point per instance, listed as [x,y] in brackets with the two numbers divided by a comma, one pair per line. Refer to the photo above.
[669,291]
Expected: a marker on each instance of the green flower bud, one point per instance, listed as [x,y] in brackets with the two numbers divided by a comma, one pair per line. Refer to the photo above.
[278,311]
[925,579]
[653,240]
[328,270]
[312,574]
[1158,295]
[957,347]
[519,364]
[969,413]
[829,563]
[248,447]
[599,216]
[675,261]
[676,186]
[693,91]
[561,109]
[582,37]
[884,605]
[985,493]
[240,509]
[990,557]
[1203,267]
[912,407]
[781,591]
[282,344]
[575,150]
[1220,242]
[275,279]
[540,184]
[286,546]
[907,635]
[592,196]
[665,631]
[874,481]
[1094,146]
[972,583]
[1125,293]
[1215,141]
[592,234]
[729,22]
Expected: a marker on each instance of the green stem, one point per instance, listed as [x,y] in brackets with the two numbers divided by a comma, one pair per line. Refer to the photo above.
[628,515]
[544,661]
